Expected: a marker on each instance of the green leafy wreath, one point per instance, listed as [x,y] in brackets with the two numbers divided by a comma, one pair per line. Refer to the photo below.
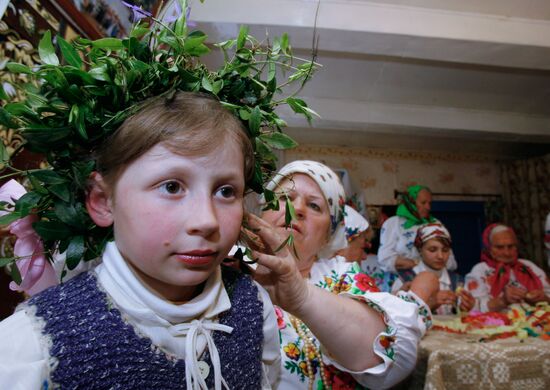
[86,95]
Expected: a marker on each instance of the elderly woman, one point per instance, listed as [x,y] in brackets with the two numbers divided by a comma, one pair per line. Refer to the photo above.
[336,329]
[397,250]
[501,278]
[433,242]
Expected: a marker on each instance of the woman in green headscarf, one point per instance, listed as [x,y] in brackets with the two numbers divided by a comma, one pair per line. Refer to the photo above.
[397,250]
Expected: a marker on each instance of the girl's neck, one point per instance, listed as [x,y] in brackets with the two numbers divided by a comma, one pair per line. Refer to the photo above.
[438,272]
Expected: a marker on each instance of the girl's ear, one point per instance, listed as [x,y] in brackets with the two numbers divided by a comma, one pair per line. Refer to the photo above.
[98,201]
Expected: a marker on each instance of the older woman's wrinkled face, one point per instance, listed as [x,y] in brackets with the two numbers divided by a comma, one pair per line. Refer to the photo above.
[311,230]
[504,247]
[424,203]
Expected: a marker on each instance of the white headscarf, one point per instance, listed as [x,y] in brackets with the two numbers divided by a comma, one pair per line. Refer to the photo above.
[429,231]
[354,222]
[333,191]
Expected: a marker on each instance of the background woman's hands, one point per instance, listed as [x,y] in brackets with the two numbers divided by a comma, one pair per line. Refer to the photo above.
[277,272]
[535,296]
[467,300]
[513,294]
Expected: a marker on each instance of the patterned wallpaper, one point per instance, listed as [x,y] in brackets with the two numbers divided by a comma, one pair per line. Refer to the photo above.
[377,173]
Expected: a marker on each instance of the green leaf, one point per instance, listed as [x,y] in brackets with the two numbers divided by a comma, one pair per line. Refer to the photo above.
[9,218]
[244,114]
[6,260]
[15,275]
[241,39]
[36,186]
[76,117]
[3,94]
[75,252]
[48,176]
[46,51]
[285,46]
[52,230]
[194,44]
[217,86]
[255,121]
[108,43]
[15,67]
[278,140]
[206,84]
[67,213]
[283,244]
[4,155]
[27,202]
[6,119]
[18,109]
[290,213]
[62,191]
[100,73]
[69,52]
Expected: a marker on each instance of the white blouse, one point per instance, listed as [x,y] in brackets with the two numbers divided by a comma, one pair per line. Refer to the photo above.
[24,360]
[406,318]
[396,240]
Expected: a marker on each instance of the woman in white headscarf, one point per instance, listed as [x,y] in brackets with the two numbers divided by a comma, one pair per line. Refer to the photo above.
[336,329]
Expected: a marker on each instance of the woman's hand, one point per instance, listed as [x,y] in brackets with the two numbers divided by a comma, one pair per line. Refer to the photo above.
[404,263]
[467,300]
[513,294]
[277,272]
[444,297]
[535,296]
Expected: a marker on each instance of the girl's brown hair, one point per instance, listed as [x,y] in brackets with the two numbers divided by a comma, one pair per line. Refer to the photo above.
[189,124]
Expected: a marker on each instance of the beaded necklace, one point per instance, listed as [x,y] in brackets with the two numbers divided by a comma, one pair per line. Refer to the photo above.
[310,352]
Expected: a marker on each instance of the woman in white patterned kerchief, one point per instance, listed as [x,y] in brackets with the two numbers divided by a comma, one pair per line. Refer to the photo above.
[336,328]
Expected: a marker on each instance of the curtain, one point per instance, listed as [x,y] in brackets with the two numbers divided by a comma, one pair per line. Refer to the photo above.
[526,193]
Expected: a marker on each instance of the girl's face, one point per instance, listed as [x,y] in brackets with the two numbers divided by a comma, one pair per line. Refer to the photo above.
[435,254]
[423,203]
[176,218]
[311,229]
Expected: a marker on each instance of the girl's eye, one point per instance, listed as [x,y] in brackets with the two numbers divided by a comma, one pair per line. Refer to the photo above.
[227,192]
[171,187]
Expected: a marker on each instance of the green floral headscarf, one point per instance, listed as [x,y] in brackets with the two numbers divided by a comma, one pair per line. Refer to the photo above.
[407,209]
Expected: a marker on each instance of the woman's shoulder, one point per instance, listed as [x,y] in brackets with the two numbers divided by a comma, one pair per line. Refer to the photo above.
[531,265]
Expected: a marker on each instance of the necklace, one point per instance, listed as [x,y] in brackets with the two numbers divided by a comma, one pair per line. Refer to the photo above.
[311,352]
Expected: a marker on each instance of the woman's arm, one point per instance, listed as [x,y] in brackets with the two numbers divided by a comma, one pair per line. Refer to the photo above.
[326,314]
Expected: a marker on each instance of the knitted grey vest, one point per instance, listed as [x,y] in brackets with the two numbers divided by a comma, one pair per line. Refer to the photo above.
[96,349]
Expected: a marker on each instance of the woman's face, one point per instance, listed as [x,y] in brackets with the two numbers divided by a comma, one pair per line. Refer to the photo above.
[504,247]
[424,203]
[311,229]
[435,254]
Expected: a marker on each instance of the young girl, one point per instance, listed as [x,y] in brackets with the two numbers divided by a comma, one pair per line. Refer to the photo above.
[433,242]
[159,311]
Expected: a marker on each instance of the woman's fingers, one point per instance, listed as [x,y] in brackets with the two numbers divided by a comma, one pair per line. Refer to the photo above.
[274,264]
[266,232]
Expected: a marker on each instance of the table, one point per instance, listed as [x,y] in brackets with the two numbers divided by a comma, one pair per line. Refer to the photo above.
[448,361]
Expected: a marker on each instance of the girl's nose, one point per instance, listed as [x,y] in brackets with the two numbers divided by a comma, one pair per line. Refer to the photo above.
[204,220]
